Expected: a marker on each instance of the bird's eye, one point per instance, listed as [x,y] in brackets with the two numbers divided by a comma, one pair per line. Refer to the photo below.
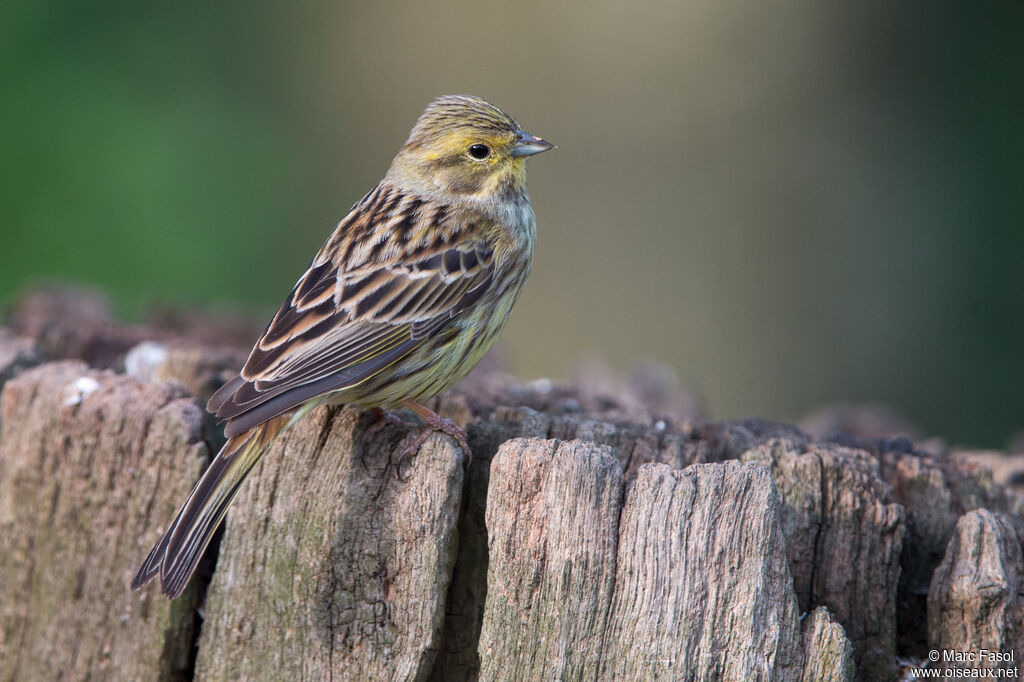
[479,151]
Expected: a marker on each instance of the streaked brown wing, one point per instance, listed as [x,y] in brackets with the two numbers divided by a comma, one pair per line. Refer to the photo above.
[341,325]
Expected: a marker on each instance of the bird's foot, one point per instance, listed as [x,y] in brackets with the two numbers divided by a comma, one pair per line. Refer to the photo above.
[435,422]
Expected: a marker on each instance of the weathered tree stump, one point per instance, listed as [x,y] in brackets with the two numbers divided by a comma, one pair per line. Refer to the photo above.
[552,520]
[91,464]
[701,587]
[844,538]
[604,531]
[976,601]
[334,564]
[827,652]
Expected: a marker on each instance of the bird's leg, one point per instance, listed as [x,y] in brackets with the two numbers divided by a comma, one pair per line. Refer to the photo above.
[435,422]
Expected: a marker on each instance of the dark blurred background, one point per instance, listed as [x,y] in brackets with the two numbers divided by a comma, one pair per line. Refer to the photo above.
[790,207]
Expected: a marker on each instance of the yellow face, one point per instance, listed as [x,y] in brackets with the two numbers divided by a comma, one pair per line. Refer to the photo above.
[471,161]
[463,146]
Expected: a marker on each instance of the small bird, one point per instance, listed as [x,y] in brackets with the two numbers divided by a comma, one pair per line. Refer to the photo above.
[404,298]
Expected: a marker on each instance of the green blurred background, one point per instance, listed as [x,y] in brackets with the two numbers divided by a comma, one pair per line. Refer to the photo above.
[790,206]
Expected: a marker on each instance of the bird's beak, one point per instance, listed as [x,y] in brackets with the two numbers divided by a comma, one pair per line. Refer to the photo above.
[528,145]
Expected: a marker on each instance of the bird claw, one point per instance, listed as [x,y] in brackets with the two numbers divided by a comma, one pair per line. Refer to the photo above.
[434,422]
[447,426]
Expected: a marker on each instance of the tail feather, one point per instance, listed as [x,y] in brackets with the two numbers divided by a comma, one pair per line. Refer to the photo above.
[176,555]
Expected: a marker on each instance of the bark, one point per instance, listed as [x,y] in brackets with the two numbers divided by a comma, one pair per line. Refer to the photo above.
[91,465]
[975,605]
[603,531]
[702,589]
[844,539]
[552,520]
[827,652]
[335,565]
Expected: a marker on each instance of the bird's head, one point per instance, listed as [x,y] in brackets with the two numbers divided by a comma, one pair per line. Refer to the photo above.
[461,146]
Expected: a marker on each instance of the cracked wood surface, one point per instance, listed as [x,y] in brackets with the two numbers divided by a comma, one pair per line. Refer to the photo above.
[828,654]
[654,544]
[844,538]
[701,587]
[552,521]
[333,565]
[91,463]
[976,601]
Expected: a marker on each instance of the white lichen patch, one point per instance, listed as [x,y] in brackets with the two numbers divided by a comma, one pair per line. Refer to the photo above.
[79,389]
[144,360]
[543,385]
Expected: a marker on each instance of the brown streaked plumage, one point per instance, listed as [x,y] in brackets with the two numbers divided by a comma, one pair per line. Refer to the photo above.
[404,298]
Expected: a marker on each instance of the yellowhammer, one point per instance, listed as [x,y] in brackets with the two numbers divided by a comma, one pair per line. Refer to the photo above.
[409,292]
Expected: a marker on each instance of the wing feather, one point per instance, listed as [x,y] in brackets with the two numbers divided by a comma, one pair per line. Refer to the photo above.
[345,321]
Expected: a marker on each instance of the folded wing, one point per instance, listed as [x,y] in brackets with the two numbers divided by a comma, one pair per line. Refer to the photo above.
[345,322]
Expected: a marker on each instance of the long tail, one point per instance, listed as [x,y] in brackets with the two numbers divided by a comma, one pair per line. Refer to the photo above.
[176,555]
